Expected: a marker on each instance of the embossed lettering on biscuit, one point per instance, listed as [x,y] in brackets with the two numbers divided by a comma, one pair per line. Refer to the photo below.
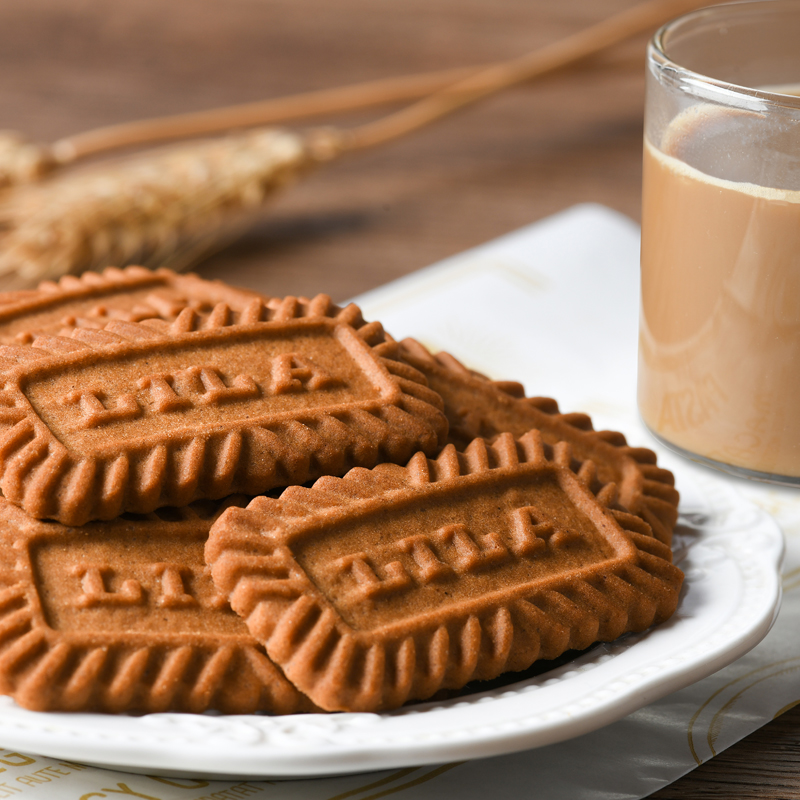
[392,583]
[476,406]
[123,616]
[132,416]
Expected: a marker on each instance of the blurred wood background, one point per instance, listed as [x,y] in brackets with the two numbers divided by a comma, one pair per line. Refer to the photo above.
[70,65]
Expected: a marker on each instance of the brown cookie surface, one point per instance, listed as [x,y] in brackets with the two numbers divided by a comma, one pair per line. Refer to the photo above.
[137,415]
[477,406]
[392,583]
[123,616]
[92,300]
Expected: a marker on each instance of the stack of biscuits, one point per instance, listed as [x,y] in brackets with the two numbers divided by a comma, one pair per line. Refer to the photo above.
[217,500]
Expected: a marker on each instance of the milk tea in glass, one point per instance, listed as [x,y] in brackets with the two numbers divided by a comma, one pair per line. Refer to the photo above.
[719,348]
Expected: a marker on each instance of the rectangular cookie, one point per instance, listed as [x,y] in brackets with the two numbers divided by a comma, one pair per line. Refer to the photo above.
[137,415]
[123,616]
[392,583]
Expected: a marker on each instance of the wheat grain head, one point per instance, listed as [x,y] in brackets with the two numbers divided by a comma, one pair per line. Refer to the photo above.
[156,208]
[22,161]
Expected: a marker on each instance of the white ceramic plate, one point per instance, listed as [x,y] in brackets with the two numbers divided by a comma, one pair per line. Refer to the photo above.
[729,549]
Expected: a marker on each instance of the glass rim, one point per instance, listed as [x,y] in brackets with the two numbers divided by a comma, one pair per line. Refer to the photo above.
[706,86]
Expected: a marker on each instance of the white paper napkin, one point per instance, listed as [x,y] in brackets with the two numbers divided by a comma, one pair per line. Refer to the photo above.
[554,305]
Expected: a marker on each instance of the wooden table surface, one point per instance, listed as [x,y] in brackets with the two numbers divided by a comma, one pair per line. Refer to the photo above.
[70,65]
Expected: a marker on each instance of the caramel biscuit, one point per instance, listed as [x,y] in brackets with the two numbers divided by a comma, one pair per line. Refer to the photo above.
[94,299]
[476,406]
[138,415]
[123,616]
[392,583]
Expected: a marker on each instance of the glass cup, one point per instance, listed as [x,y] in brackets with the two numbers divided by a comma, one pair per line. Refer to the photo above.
[719,345]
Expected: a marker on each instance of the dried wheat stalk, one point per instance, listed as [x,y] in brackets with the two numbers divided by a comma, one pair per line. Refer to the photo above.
[154,209]
[169,207]
[22,161]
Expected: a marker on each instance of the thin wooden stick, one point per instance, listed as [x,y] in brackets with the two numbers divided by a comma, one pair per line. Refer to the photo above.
[264,112]
[305,105]
[574,48]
